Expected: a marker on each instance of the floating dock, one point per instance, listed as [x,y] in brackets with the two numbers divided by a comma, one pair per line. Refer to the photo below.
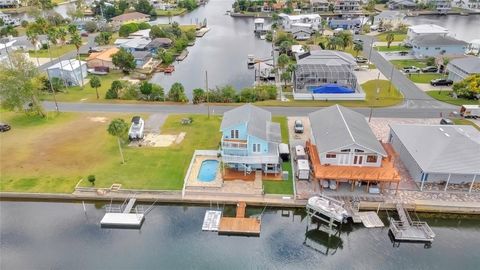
[123,218]
[407,230]
[182,55]
[211,221]
[202,32]
[240,225]
[370,219]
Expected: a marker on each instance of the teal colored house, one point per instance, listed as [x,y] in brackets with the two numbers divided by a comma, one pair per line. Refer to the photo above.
[433,45]
[250,140]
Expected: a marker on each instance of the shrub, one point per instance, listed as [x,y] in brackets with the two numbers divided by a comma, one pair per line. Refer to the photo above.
[127,29]
[199,96]
[177,93]
[91,179]
[430,61]
[91,26]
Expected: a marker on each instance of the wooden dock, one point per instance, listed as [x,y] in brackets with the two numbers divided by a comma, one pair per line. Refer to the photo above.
[240,225]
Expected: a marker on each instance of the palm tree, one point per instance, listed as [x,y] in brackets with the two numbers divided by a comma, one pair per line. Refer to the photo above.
[390,38]
[118,128]
[324,25]
[76,40]
[32,36]
[95,83]
[62,35]
[357,48]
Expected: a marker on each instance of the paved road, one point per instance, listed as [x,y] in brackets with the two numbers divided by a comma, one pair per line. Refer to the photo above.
[397,112]
[414,96]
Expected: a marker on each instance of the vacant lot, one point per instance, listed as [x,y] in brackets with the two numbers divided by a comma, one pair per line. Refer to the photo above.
[396,36]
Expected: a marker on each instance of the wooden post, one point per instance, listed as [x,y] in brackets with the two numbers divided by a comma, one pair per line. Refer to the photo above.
[448,180]
[368,185]
[396,189]
[353,184]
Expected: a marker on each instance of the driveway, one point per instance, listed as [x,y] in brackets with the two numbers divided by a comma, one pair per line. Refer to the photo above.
[364,76]
[298,138]
[427,87]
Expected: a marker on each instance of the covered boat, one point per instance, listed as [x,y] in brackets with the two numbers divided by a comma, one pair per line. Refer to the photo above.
[328,207]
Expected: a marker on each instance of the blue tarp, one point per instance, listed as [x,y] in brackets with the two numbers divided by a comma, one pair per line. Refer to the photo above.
[331,89]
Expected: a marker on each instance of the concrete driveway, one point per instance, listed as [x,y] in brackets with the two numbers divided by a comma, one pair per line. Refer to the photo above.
[364,76]
[427,87]
[298,138]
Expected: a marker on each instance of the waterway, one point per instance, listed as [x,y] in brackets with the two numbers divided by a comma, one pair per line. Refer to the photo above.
[466,28]
[48,235]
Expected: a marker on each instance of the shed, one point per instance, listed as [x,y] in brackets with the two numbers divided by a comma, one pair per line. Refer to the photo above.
[284,151]
[303,169]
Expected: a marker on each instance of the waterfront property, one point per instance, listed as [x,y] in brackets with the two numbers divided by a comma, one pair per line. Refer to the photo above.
[393,17]
[401,4]
[133,44]
[290,21]
[438,153]
[132,17]
[467,4]
[250,140]
[425,29]
[143,60]
[347,6]
[72,71]
[433,45]
[325,74]
[460,68]
[301,34]
[102,59]
[319,5]
[345,24]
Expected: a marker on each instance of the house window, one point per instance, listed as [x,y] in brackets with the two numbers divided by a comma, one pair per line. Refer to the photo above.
[345,150]
[256,148]
[359,151]
[234,133]
[438,48]
[372,159]
[330,155]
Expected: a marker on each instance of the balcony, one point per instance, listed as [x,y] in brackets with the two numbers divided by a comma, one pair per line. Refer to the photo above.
[260,159]
[234,144]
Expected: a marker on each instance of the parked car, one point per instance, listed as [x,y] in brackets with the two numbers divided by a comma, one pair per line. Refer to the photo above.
[381,29]
[358,41]
[441,82]
[298,126]
[136,128]
[446,121]
[94,49]
[4,127]
[361,60]
[403,53]
[84,34]
[411,69]
[430,69]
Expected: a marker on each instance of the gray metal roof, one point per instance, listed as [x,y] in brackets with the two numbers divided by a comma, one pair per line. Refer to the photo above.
[468,65]
[442,148]
[337,127]
[436,40]
[258,122]
[326,57]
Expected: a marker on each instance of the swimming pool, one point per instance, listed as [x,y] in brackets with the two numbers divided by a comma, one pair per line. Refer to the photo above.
[208,170]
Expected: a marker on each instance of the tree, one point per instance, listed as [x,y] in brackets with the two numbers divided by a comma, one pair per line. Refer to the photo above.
[371,5]
[346,39]
[76,40]
[283,61]
[124,60]
[390,38]
[91,26]
[199,96]
[103,38]
[126,29]
[21,84]
[95,83]
[32,36]
[151,91]
[188,4]
[286,76]
[177,93]
[118,128]
[357,48]
[113,91]
[62,35]
[468,88]
[91,179]
[144,6]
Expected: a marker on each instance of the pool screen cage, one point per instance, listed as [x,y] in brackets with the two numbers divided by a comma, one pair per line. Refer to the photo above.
[306,76]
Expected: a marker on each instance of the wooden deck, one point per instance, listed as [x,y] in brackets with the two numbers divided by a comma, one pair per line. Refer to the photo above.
[239,225]
[232,174]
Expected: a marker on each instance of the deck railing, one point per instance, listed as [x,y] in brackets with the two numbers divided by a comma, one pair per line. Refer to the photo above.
[250,159]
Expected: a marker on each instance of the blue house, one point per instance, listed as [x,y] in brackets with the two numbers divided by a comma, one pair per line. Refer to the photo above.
[433,45]
[250,140]
[347,24]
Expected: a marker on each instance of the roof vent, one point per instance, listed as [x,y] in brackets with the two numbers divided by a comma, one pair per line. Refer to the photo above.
[441,129]
[446,134]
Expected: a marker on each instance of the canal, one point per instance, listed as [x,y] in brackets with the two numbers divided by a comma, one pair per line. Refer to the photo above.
[48,235]
[466,28]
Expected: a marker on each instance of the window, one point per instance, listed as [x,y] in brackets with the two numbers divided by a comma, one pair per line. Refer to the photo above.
[234,133]
[330,155]
[345,150]
[256,148]
[359,151]
[372,159]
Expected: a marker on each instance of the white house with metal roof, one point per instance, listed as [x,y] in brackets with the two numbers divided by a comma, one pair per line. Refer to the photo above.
[425,29]
[250,140]
[290,21]
[344,138]
[460,68]
[438,153]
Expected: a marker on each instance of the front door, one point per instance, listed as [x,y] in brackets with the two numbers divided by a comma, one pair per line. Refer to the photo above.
[358,160]
[343,159]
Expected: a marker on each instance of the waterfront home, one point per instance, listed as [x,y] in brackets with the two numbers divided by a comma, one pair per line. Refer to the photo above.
[301,34]
[102,59]
[344,138]
[441,6]
[347,6]
[467,4]
[460,68]
[143,59]
[158,43]
[325,74]
[131,17]
[250,140]
[425,29]
[346,24]
[393,17]
[438,153]
[10,3]
[133,44]
[402,4]
[432,45]
[72,71]
[319,5]
[311,21]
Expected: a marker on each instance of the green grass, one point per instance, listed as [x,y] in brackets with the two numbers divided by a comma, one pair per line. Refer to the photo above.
[423,77]
[399,64]
[397,36]
[283,186]
[173,12]
[55,51]
[283,127]
[446,96]
[384,98]
[465,122]
[184,27]
[392,48]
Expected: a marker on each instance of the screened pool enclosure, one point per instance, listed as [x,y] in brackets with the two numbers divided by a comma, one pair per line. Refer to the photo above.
[320,78]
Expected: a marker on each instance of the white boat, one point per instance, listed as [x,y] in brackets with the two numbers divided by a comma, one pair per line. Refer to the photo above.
[329,207]
[251,60]
[263,37]
[136,129]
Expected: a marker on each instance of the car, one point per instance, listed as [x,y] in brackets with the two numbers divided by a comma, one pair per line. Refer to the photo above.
[432,69]
[446,121]
[94,49]
[298,126]
[411,69]
[361,60]
[441,82]
[4,127]
[381,29]
[84,34]
[403,53]
[358,41]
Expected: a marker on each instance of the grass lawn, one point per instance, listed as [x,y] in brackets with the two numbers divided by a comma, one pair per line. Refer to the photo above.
[399,64]
[385,98]
[173,12]
[52,158]
[423,77]
[397,36]
[445,96]
[392,48]
[56,51]
[465,122]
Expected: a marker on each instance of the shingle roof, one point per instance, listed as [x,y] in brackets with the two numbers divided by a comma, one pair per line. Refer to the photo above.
[442,148]
[434,40]
[130,16]
[469,64]
[337,127]
[141,54]
[258,122]
[428,29]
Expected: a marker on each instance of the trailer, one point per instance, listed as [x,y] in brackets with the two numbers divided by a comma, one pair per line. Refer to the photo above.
[303,169]
[284,151]
[470,111]
[300,152]
[136,128]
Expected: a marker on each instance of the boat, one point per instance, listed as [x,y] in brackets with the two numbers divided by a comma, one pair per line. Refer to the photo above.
[328,207]
[464,13]
[96,72]
[251,60]
[263,37]
[169,69]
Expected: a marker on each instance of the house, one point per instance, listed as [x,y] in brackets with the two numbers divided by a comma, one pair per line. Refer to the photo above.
[6,47]
[133,44]
[393,17]
[402,4]
[441,6]
[460,68]
[346,24]
[325,74]
[102,59]
[72,71]
[467,4]
[250,140]
[425,29]
[132,17]
[143,59]
[438,153]
[269,6]
[432,45]
[297,49]
[10,3]
[144,33]
[319,5]
[347,6]
[8,20]
[158,43]
[289,21]
[301,34]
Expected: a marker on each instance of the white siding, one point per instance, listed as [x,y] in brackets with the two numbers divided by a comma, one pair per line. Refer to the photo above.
[347,158]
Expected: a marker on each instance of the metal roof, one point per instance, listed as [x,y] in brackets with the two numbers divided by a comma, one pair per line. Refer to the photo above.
[428,29]
[468,65]
[436,40]
[337,127]
[442,148]
[326,57]
[67,65]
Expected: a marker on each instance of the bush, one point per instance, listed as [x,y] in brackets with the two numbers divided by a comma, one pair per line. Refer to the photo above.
[111,94]
[91,179]
[113,91]
[103,38]
[177,93]
[127,29]
[143,26]
[468,88]
[199,96]
[430,61]
[91,26]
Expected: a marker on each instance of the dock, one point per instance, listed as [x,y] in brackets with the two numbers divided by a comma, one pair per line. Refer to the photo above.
[406,229]
[182,55]
[240,225]
[121,217]
[211,221]
[201,32]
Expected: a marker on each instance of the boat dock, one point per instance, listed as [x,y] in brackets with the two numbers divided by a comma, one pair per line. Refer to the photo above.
[211,221]
[202,32]
[182,55]
[406,229]
[122,217]
[240,225]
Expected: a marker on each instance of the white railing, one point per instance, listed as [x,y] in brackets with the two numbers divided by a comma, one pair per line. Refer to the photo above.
[250,159]
[234,145]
